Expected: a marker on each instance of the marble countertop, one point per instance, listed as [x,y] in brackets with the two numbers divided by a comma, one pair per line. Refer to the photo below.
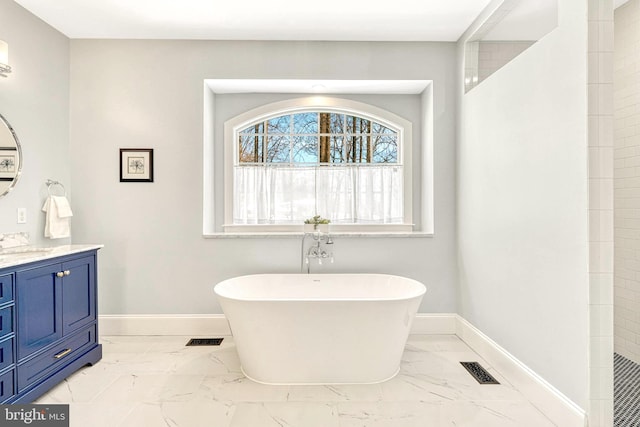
[12,257]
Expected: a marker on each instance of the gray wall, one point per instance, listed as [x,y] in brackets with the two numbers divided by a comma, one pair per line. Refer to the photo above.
[149,94]
[35,101]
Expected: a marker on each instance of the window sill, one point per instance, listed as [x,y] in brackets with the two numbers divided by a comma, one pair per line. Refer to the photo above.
[297,235]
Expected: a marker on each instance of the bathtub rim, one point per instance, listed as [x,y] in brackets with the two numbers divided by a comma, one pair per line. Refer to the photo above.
[419,292]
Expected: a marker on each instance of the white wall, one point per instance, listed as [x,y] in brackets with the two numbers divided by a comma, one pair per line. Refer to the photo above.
[522,205]
[627,178]
[35,101]
[149,94]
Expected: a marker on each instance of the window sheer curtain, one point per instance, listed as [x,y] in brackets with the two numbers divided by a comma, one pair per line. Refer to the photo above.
[347,194]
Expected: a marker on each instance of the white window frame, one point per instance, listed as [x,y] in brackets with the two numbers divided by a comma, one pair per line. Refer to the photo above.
[338,105]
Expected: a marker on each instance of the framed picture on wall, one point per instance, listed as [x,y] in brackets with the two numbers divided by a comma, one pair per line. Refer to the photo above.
[8,163]
[136,165]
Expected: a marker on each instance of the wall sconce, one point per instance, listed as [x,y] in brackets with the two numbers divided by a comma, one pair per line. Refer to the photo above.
[4,59]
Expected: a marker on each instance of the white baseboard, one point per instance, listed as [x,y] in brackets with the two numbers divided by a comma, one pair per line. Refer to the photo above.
[561,410]
[163,324]
[555,405]
[434,324]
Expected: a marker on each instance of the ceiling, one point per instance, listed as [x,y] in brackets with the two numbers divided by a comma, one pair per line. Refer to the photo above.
[347,20]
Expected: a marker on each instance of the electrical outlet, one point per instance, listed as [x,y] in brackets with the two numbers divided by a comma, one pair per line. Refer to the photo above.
[22,215]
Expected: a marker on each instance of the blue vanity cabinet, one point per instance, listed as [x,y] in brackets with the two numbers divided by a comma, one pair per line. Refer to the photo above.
[55,322]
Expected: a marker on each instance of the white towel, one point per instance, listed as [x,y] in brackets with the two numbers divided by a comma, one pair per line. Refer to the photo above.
[57,221]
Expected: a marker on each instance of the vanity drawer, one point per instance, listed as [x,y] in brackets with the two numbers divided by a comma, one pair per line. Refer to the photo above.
[6,288]
[6,386]
[6,321]
[55,358]
[6,353]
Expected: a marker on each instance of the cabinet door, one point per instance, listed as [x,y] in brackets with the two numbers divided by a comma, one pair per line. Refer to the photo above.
[78,294]
[39,305]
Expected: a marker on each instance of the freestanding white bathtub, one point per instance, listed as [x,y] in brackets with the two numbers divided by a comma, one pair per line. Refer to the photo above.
[320,328]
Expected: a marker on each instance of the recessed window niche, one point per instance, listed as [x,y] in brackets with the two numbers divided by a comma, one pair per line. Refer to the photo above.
[513,27]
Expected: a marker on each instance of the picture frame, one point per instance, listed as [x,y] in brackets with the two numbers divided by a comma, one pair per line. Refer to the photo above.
[8,163]
[136,165]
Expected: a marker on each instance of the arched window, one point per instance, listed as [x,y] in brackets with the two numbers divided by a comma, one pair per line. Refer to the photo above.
[340,162]
[317,137]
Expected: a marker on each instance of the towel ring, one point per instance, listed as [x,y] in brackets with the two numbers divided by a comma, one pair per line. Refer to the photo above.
[53,184]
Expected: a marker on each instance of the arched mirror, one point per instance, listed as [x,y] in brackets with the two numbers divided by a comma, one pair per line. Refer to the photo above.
[10,157]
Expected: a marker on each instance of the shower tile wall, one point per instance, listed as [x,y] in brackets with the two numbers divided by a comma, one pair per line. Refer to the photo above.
[601,211]
[627,180]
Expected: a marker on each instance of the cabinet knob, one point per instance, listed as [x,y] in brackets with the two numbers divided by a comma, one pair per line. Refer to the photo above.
[67,272]
[60,274]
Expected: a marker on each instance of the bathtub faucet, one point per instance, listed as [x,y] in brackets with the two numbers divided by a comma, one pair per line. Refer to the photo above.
[318,249]
[318,252]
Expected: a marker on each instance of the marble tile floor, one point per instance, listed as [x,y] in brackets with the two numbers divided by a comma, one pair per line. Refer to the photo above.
[155,381]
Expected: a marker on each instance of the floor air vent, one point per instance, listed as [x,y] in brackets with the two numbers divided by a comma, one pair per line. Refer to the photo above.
[205,341]
[479,373]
